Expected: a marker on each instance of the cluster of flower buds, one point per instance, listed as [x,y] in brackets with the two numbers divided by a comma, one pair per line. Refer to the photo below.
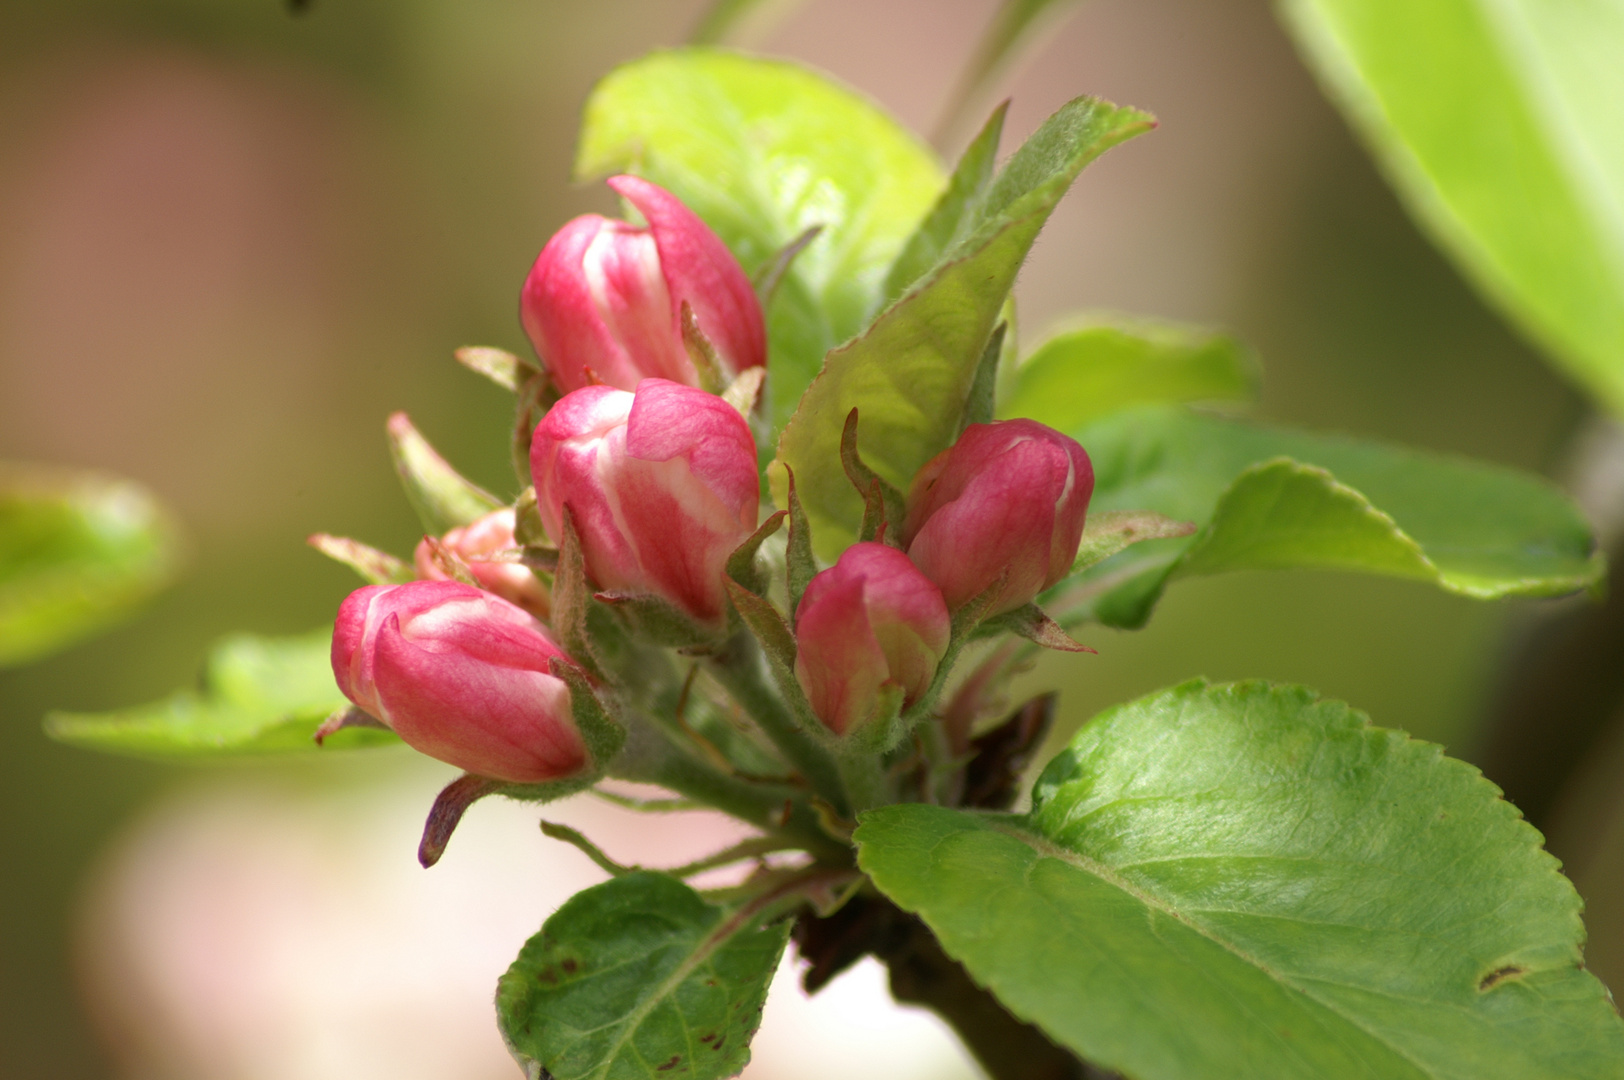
[648,480]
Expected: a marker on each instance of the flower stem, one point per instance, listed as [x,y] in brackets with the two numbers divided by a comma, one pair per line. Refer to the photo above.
[652,758]
[863,775]
[740,671]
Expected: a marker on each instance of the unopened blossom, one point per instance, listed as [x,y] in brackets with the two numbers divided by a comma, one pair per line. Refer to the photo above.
[603,302]
[661,486]
[870,620]
[1007,501]
[462,676]
[480,544]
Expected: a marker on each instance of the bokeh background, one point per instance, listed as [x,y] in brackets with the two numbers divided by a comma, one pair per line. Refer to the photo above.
[233,238]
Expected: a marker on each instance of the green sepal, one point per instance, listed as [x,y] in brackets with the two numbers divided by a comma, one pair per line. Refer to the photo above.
[771,273]
[498,365]
[966,621]
[535,395]
[572,600]
[979,404]
[800,567]
[603,735]
[655,620]
[528,531]
[944,225]
[868,483]
[877,733]
[741,565]
[442,498]
[1029,622]
[773,632]
[375,567]
[1112,531]
[700,351]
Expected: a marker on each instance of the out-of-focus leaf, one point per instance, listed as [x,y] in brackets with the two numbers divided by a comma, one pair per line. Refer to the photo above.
[1015,23]
[910,373]
[728,20]
[763,150]
[1243,881]
[78,552]
[638,979]
[1499,122]
[1091,371]
[1273,498]
[259,696]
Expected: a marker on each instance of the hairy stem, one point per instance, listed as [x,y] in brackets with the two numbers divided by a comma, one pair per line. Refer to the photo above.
[741,673]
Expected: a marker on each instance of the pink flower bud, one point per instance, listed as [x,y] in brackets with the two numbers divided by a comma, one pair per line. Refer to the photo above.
[461,676]
[870,619]
[476,544]
[603,302]
[661,486]
[1008,497]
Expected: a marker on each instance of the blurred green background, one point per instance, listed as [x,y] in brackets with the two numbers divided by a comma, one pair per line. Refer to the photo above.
[235,238]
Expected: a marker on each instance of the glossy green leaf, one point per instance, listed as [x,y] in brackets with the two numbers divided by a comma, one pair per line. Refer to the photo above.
[1088,372]
[763,150]
[1275,498]
[259,696]
[1499,122]
[78,552]
[1244,881]
[910,373]
[638,979]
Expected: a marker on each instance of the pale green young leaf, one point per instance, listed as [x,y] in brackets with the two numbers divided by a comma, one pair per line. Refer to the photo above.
[1095,369]
[1498,121]
[639,979]
[78,552]
[1245,881]
[259,696]
[911,372]
[1275,498]
[762,150]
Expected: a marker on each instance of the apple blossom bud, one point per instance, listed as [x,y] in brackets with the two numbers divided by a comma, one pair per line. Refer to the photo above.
[871,619]
[1007,500]
[477,544]
[661,486]
[603,302]
[462,676]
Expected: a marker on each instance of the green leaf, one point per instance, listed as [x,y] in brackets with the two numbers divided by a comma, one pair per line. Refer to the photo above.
[762,150]
[954,211]
[78,552]
[1094,370]
[259,696]
[911,372]
[1498,121]
[1273,498]
[639,978]
[1244,881]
